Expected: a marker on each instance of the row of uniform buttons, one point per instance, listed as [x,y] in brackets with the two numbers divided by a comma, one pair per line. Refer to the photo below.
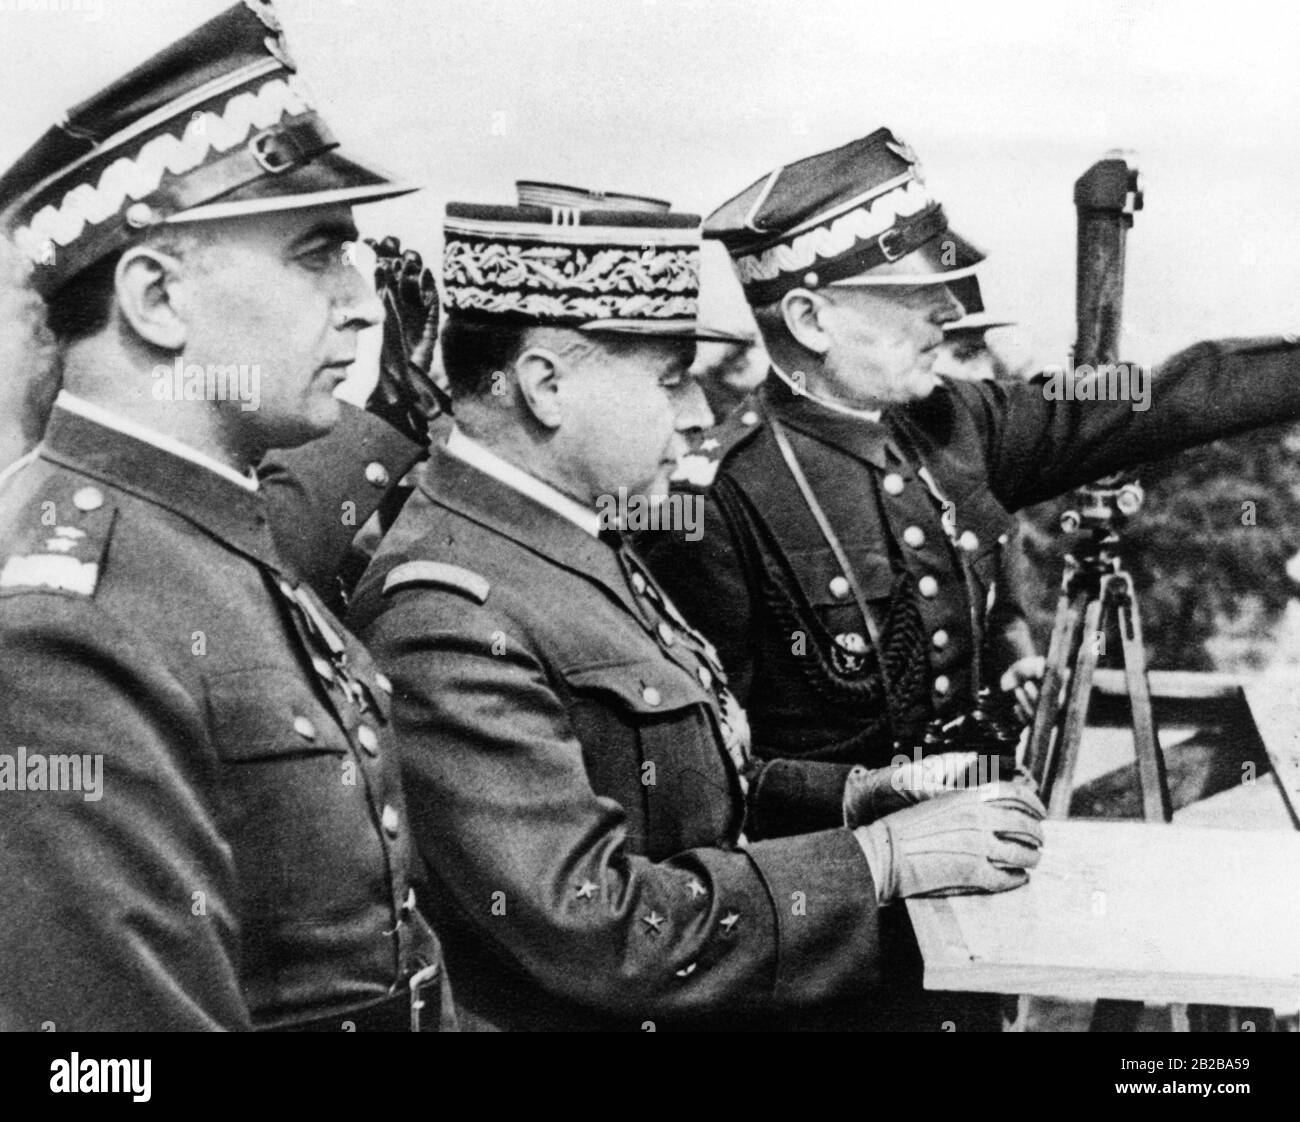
[649,694]
[367,737]
[389,818]
[733,723]
[668,636]
[914,537]
[927,586]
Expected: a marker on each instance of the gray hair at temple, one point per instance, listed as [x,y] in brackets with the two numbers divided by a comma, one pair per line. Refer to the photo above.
[29,373]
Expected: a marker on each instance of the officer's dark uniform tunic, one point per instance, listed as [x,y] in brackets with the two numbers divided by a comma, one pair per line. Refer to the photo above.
[578,791]
[321,494]
[246,865]
[764,586]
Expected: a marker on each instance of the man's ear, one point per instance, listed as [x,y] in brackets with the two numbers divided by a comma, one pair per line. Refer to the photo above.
[802,311]
[538,372]
[144,280]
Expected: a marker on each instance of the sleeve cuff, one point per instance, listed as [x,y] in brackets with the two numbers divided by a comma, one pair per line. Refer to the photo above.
[796,797]
[827,918]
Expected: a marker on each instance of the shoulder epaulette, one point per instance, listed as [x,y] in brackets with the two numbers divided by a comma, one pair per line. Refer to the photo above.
[60,540]
[439,575]
[698,467]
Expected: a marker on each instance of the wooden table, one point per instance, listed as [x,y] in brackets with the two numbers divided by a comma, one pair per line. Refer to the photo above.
[1156,913]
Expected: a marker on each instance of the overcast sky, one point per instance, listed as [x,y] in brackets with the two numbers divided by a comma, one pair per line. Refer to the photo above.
[690,100]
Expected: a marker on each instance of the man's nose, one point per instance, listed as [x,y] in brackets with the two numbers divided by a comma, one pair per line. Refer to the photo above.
[948,308]
[358,304]
[693,410]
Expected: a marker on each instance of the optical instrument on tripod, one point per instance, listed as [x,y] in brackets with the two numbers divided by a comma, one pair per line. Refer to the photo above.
[1097,593]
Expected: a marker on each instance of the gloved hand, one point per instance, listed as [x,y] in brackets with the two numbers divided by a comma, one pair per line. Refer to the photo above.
[979,841]
[871,793]
[405,395]
[1022,679]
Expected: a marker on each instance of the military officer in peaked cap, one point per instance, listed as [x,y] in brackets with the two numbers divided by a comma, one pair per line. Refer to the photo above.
[203,824]
[602,849]
[858,509]
[317,494]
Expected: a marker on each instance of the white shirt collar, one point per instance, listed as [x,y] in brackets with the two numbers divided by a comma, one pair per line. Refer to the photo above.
[489,463]
[860,414]
[110,420]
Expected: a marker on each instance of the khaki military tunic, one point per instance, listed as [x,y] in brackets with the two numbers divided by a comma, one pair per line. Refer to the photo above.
[245,863]
[601,854]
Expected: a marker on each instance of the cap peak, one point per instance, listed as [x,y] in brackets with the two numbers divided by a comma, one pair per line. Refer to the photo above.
[218,120]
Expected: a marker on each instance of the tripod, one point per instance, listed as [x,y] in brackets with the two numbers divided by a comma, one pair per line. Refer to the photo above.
[1096,591]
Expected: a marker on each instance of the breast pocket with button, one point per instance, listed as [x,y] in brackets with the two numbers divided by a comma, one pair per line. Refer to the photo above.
[650,743]
[294,796]
[844,637]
